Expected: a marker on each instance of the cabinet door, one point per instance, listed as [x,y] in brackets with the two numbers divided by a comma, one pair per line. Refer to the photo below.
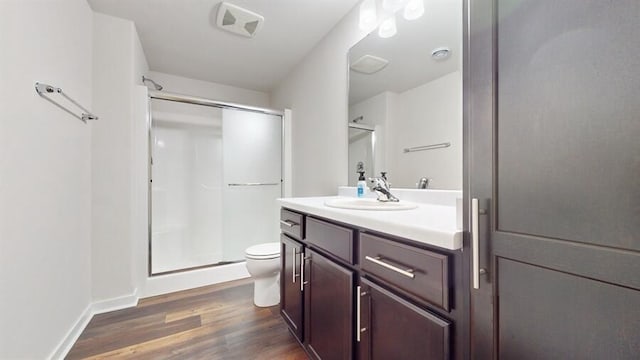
[393,328]
[291,299]
[328,308]
[552,90]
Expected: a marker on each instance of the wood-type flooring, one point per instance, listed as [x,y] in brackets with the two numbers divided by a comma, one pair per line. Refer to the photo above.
[212,322]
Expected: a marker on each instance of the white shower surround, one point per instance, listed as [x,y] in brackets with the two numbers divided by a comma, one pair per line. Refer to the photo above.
[193,208]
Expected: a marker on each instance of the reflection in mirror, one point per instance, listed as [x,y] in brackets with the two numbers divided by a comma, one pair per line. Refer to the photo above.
[409,89]
[361,149]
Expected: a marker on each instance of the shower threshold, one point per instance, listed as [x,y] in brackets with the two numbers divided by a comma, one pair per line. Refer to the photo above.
[207,266]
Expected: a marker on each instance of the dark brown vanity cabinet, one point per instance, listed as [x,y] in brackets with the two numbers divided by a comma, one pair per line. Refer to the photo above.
[393,328]
[316,299]
[351,294]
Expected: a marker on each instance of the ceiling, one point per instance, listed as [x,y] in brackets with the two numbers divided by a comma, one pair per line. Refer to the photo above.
[180,37]
[409,52]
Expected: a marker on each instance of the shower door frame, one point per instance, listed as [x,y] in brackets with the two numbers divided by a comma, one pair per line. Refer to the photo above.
[194,100]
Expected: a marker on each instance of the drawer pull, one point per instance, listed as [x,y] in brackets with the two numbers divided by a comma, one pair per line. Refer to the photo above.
[302,282]
[293,256]
[358,313]
[378,260]
[359,329]
[288,223]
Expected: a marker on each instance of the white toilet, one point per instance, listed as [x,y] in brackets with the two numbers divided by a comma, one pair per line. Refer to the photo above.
[263,264]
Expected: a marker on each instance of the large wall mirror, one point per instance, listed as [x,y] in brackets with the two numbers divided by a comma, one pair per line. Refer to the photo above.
[405,102]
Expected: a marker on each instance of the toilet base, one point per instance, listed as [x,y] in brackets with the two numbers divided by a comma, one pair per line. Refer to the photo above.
[266,291]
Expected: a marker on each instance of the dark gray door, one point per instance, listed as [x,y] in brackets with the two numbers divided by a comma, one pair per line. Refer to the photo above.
[552,96]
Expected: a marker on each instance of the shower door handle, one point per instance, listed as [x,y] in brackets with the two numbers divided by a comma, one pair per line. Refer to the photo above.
[254,184]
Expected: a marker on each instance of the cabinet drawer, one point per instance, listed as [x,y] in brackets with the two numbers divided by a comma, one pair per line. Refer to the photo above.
[292,224]
[335,239]
[421,273]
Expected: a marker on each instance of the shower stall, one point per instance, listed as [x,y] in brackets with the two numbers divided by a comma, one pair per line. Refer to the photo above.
[215,170]
[362,139]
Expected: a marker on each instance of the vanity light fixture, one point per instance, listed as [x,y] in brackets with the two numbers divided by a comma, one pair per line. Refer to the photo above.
[368,15]
[392,6]
[412,9]
[388,27]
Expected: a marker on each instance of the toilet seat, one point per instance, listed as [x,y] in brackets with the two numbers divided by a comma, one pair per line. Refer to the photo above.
[263,251]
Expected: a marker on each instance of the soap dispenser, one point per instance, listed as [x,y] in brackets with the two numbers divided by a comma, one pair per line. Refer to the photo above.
[362,184]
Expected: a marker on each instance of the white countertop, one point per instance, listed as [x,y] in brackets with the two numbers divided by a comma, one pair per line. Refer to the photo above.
[428,223]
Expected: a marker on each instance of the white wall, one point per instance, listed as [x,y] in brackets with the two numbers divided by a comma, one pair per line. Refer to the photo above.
[182,85]
[139,160]
[118,66]
[45,175]
[428,114]
[316,92]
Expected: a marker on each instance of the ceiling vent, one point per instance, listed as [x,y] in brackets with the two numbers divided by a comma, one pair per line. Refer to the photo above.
[369,64]
[237,20]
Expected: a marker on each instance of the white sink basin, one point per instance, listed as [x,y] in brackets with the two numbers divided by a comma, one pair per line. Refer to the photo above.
[368,204]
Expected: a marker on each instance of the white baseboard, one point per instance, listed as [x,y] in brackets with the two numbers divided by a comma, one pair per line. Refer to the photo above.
[72,335]
[118,303]
[97,307]
[163,284]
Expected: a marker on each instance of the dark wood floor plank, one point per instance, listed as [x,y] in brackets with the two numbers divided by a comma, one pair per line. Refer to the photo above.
[193,292]
[94,330]
[213,322]
[106,342]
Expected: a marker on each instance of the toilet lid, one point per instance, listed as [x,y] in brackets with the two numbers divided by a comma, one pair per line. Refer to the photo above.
[264,250]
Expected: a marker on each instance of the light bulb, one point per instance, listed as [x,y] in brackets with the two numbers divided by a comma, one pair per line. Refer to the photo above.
[388,27]
[368,16]
[414,9]
[392,6]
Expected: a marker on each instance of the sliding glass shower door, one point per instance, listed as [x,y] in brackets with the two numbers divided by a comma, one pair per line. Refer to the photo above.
[215,175]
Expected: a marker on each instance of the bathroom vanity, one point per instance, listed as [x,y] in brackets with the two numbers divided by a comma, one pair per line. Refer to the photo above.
[371,284]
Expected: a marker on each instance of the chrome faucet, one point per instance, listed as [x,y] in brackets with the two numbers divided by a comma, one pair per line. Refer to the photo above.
[381,187]
[423,183]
